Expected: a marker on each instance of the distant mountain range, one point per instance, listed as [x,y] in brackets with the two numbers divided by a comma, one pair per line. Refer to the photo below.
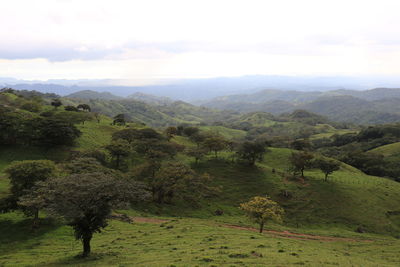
[380,105]
[194,90]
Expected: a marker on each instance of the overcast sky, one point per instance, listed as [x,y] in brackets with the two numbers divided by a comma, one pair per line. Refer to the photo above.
[150,40]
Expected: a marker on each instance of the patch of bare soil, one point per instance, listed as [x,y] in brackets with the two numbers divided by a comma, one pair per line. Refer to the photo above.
[147,220]
[291,235]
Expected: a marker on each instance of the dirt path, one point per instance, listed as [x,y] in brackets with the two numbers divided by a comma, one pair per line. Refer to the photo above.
[285,234]
[147,220]
[290,235]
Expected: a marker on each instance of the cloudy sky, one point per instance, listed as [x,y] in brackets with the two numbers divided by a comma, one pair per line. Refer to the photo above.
[163,39]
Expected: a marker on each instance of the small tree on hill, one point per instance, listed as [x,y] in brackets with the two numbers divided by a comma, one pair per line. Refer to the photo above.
[251,152]
[261,210]
[23,175]
[327,166]
[84,107]
[85,201]
[118,149]
[170,132]
[71,108]
[119,119]
[300,161]
[215,144]
[196,153]
[56,103]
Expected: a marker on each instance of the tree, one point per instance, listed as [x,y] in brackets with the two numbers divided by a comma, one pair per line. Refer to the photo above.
[71,108]
[85,201]
[53,132]
[198,138]
[261,210]
[118,148]
[251,152]
[23,175]
[189,131]
[196,153]
[327,166]
[175,179]
[301,144]
[119,119]
[215,143]
[170,132]
[56,103]
[300,161]
[84,107]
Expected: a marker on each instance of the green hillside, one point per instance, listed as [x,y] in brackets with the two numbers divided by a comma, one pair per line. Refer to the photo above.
[388,150]
[352,219]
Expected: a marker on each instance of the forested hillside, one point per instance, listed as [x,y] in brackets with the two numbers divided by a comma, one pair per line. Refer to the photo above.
[167,192]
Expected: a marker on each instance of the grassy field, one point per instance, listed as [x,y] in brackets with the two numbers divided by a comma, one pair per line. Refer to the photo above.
[195,236]
[226,132]
[388,150]
[186,242]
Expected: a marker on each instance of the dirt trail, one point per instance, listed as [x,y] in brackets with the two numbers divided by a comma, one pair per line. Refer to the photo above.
[147,220]
[291,235]
[285,234]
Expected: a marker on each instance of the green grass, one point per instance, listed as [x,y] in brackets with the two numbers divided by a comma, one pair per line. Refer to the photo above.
[388,150]
[183,242]
[328,131]
[195,238]
[96,135]
[226,132]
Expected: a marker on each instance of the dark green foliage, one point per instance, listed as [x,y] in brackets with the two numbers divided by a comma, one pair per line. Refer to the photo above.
[215,143]
[71,108]
[251,152]
[85,201]
[119,119]
[174,180]
[119,149]
[31,106]
[327,166]
[189,131]
[23,175]
[170,132]
[56,103]
[197,153]
[132,135]
[54,132]
[300,161]
[301,144]
[84,107]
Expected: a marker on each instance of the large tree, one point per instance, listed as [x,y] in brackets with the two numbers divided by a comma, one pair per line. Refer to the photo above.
[23,175]
[300,161]
[327,166]
[119,149]
[261,210]
[85,201]
[174,180]
[215,143]
[56,103]
[251,152]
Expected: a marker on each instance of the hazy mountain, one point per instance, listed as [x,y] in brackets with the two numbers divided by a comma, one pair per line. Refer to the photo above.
[151,99]
[194,90]
[378,105]
[89,94]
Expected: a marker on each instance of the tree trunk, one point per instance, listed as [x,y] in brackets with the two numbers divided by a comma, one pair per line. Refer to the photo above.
[117,161]
[302,172]
[86,244]
[326,177]
[261,227]
[35,222]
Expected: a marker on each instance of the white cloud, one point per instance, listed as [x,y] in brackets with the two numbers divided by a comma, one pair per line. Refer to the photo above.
[153,39]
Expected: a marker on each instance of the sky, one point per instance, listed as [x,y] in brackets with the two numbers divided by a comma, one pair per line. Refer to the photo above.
[145,41]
